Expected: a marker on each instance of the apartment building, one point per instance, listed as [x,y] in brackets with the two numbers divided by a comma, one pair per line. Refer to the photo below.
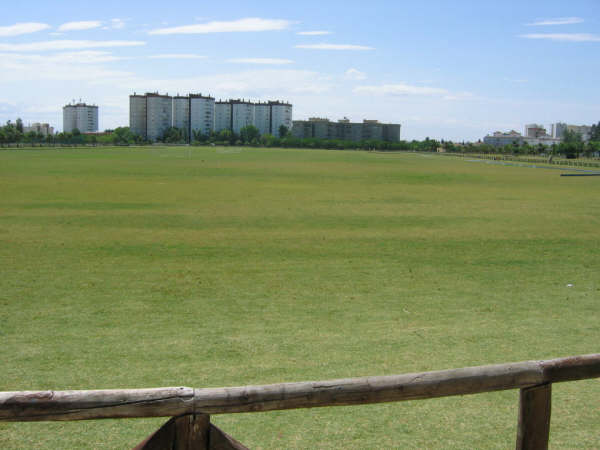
[151,114]
[80,116]
[202,114]
[321,128]
[40,128]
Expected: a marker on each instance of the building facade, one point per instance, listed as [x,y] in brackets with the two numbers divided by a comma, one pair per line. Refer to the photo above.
[281,115]
[202,114]
[242,114]
[151,114]
[80,116]
[343,129]
[40,128]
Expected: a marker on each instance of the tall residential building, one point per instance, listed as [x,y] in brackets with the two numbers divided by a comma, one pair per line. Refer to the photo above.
[281,114]
[242,114]
[181,113]
[137,115]
[80,116]
[344,129]
[150,115]
[222,116]
[202,114]
[534,130]
[262,117]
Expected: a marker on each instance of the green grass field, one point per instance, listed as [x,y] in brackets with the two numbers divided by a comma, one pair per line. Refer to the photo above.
[200,267]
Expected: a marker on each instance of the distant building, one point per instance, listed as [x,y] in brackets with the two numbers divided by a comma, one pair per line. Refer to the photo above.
[343,129]
[222,116]
[151,114]
[80,116]
[281,114]
[202,114]
[242,114]
[533,137]
[41,128]
[559,128]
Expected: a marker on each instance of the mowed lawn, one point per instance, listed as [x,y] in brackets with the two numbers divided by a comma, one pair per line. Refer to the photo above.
[207,267]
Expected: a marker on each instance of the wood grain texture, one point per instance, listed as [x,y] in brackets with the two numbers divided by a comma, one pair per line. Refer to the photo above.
[535,404]
[79,405]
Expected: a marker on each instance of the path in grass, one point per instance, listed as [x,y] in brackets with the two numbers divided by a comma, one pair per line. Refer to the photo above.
[212,267]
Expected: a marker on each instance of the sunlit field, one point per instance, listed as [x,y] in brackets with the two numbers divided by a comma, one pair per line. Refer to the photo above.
[209,267]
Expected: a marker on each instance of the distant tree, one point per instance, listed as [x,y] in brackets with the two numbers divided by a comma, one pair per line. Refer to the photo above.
[283,131]
[249,133]
[595,133]
[19,125]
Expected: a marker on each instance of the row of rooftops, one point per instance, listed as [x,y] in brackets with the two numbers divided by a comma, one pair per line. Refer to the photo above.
[208,97]
[344,120]
[80,104]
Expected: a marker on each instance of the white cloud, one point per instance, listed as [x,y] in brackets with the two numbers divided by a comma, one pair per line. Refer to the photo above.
[23,28]
[240,25]
[564,37]
[334,47]
[354,74]
[66,45]
[401,89]
[313,33]
[81,25]
[117,24]
[82,57]
[556,21]
[272,61]
[177,56]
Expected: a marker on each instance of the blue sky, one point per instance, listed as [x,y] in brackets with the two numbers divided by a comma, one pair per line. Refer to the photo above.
[444,69]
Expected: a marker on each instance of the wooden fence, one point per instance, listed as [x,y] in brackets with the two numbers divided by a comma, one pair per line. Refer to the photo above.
[190,408]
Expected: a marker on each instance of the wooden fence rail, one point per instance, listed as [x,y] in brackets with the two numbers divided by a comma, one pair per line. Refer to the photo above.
[190,407]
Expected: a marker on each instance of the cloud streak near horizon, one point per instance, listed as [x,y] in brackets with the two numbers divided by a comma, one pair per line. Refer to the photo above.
[248,24]
[324,46]
[556,21]
[66,45]
[563,37]
[23,28]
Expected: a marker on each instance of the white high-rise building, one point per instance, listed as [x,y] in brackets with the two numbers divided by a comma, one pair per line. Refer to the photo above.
[242,114]
[80,116]
[181,113]
[281,114]
[137,114]
[262,117]
[159,115]
[202,114]
[222,116]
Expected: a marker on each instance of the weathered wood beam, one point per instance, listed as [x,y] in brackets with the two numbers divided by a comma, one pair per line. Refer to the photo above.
[77,405]
[535,404]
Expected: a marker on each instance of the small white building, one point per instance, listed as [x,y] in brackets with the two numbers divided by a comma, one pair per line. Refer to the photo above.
[80,116]
[41,128]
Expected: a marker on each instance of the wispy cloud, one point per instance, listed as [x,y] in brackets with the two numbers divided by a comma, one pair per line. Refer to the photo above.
[23,28]
[564,37]
[516,80]
[117,24]
[81,25]
[400,89]
[334,47]
[556,21]
[66,45]
[272,61]
[313,33]
[233,26]
[82,57]
[177,56]
[354,74]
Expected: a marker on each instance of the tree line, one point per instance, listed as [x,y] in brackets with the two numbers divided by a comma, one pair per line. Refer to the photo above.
[572,145]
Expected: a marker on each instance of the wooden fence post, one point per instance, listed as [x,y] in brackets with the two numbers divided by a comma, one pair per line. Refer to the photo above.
[534,417]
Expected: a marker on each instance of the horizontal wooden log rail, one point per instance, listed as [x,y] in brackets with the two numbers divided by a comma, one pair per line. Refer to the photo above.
[534,378]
